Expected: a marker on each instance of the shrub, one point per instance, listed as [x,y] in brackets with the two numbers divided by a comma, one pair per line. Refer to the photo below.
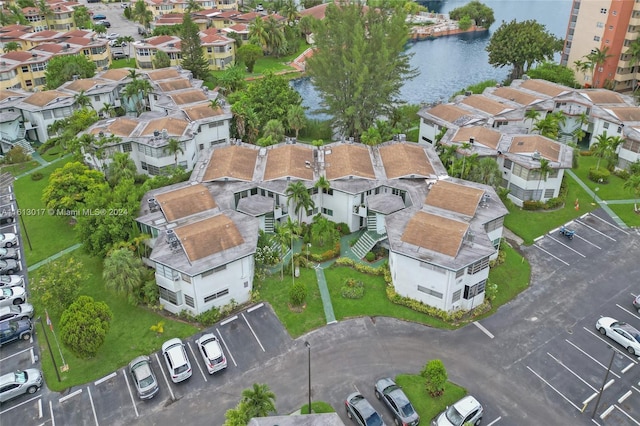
[297,294]
[600,175]
[532,205]
[622,174]
[158,328]
[352,289]
[370,257]
[36,176]
[343,228]
[435,375]
[16,155]
[553,203]
[491,291]
[210,317]
[586,153]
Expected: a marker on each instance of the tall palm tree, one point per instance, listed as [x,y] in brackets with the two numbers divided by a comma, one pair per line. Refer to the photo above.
[123,273]
[129,40]
[296,118]
[107,110]
[15,15]
[276,41]
[601,147]
[141,14]
[46,11]
[543,170]
[598,57]
[174,147]
[583,67]
[284,237]
[298,194]
[192,6]
[274,129]
[634,59]
[259,400]
[121,167]
[465,150]
[322,230]
[633,184]
[487,172]
[322,185]
[290,11]
[82,100]
[258,33]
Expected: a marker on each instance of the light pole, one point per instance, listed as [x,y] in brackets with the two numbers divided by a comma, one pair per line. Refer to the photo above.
[604,382]
[308,345]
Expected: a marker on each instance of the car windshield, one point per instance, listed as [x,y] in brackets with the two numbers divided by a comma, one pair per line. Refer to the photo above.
[407,409]
[21,376]
[374,420]
[7,292]
[453,416]
[181,369]
[147,381]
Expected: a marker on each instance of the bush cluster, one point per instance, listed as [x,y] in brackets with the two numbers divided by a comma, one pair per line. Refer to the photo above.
[370,257]
[36,176]
[352,289]
[419,306]
[297,294]
[600,175]
[327,255]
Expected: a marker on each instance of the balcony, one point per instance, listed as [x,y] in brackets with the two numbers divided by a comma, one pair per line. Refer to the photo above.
[360,210]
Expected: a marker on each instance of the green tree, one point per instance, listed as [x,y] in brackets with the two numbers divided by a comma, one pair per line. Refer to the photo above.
[123,273]
[360,81]
[81,17]
[161,60]
[275,130]
[258,33]
[307,24]
[136,91]
[191,49]
[322,230]
[554,73]
[82,100]
[275,38]
[84,326]
[520,45]
[11,46]
[633,185]
[597,58]
[141,14]
[248,54]
[323,185]
[298,195]
[69,185]
[174,147]
[100,29]
[435,375]
[231,80]
[62,68]
[129,40]
[371,136]
[108,110]
[237,416]
[259,400]
[46,11]
[121,167]
[58,283]
[465,23]
[192,6]
[15,16]
[486,172]
[605,148]
[543,171]
[634,59]
[296,118]
[474,10]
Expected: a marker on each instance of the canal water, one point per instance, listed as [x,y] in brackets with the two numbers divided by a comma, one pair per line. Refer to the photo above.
[449,64]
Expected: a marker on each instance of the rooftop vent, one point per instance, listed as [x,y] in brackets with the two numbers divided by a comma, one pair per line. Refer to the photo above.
[351,139]
[156,133]
[536,155]
[165,134]
[472,140]
[402,137]
[153,204]
[171,45]
[171,236]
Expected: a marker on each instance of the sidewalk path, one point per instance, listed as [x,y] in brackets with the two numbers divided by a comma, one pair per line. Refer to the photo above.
[598,200]
[54,257]
[43,164]
[326,297]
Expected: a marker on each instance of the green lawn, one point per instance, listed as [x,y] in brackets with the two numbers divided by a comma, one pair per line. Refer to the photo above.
[18,169]
[426,406]
[317,407]
[512,278]
[276,292]
[626,214]
[614,190]
[123,63]
[128,337]
[47,234]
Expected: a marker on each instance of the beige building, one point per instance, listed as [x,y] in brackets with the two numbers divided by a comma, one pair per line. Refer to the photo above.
[603,24]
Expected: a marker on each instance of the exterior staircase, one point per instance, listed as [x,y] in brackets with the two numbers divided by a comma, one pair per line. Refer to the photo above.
[26,146]
[366,242]
[269,224]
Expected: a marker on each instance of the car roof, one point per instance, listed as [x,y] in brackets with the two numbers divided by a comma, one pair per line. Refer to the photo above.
[22,324]
[364,407]
[211,345]
[466,405]
[143,369]
[11,308]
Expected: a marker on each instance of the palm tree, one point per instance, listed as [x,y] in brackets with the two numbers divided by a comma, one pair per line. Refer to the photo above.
[543,170]
[597,57]
[259,400]
[107,110]
[275,41]
[82,100]
[192,6]
[258,33]
[46,11]
[322,230]
[275,130]
[296,118]
[322,185]
[11,46]
[123,273]
[129,40]
[465,147]
[174,147]
[633,184]
[298,194]
[133,74]
[600,147]
[612,154]
[141,14]
[15,15]
[290,11]
[578,133]
[121,167]
[634,58]
[583,67]
[486,172]
[284,237]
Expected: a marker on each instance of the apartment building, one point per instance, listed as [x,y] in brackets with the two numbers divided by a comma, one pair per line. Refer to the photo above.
[603,24]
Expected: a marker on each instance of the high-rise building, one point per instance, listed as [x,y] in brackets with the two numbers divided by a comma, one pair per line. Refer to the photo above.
[601,36]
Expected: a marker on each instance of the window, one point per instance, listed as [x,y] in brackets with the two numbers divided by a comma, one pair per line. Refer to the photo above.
[25,69]
[474,290]
[96,98]
[596,38]
[189,301]
[328,212]
[430,292]
[456,296]
[605,125]
[39,67]
[599,24]
[165,271]
[619,129]
[185,278]
[548,193]
[168,295]
[28,83]
[126,147]
[217,295]
[508,164]
[40,81]
[478,266]
[433,267]
[494,224]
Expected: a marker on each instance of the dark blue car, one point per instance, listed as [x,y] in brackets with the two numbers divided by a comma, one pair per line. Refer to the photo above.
[15,330]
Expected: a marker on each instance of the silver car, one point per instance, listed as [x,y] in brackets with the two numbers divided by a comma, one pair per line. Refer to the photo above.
[636,303]
[14,312]
[8,240]
[466,411]
[177,360]
[397,402]
[15,384]
[12,296]
[211,352]
[143,378]
[11,281]
[621,332]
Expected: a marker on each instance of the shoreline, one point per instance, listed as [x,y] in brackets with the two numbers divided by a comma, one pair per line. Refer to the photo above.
[433,32]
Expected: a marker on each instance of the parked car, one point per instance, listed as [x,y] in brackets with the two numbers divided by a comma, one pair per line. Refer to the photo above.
[211,352]
[177,360]
[397,402]
[14,312]
[8,267]
[119,55]
[361,411]
[99,17]
[467,410]
[636,303]
[7,215]
[116,43]
[623,333]
[143,31]
[11,331]
[124,5]
[12,296]
[8,253]
[113,36]
[8,240]
[143,378]
[7,281]
[105,24]
[19,383]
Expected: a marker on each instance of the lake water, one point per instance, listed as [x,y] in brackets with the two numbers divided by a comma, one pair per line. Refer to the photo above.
[449,64]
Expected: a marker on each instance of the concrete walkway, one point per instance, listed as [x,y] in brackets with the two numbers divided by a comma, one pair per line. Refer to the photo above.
[598,200]
[54,257]
[43,164]
[326,297]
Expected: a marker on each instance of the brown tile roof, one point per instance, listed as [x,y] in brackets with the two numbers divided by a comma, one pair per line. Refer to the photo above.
[115,74]
[515,95]
[163,74]
[209,236]
[42,99]
[530,143]
[82,84]
[317,12]
[483,135]
[189,97]
[435,233]
[76,33]
[15,27]
[78,40]
[449,113]
[626,113]
[288,160]
[603,97]
[349,160]
[405,159]
[185,202]
[173,126]
[4,94]
[122,126]
[201,111]
[485,104]
[543,87]
[159,40]
[17,55]
[454,197]
[234,162]
[177,84]
[46,34]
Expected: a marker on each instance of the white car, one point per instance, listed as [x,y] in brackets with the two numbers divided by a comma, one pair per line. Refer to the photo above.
[466,411]
[12,296]
[211,352]
[16,312]
[113,36]
[7,281]
[8,240]
[177,360]
[621,332]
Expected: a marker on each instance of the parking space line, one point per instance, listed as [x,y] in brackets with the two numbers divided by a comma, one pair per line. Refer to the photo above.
[228,320]
[571,371]
[72,394]
[625,396]
[628,311]
[253,332]
[627,368]
[495,421]
[627,414]
[227,348]
[483,329]
[592,358]
[588,242]
[40,408]
[556,390]
[22,403]
[53,419]
[588,400]
[93,407]
[105,378]
[33,356]
[17,353]
[611,224]
[607,412]
[196,361]
[173,397]
[258,306]
[635,388]
[594,229]
[601,338]
[569,247]
[557,258]
[124,373]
